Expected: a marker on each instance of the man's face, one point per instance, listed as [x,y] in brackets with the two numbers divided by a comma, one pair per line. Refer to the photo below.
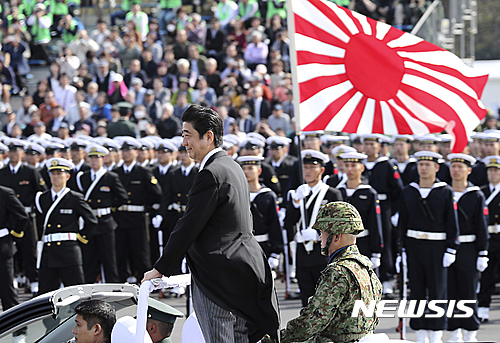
[196,147]
[354,170]
[96,162]
[400,147]
[371,148]
[313,143]
[312,172]
[184,158]
[32,159]
[164,157]
[493,175]
[427,169]
[251,172]
[459,171]
[277,153]
[491,148]
[15,156]
[429,147]
[129,155]
[58,178]
[81,332]
[77,155]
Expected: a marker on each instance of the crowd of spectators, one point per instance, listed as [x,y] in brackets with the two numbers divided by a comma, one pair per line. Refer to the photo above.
[236,60]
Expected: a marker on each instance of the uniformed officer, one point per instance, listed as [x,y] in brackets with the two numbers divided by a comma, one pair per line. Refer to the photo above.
[34,153]
[3,151]
[339,176]
[308,198]
[430,143]
[428,223]
[310,140]
[143,190]
[329,143]
[144,153]
[162,172]
[77,151]
[123,126]
[25,181]
[161,320]
[490,143]
[384,177]
[281,161]
[253,145]
[60,209]
[234,141]
[104,192]
[401,145]
[365,199]
[489,276]
[347,278]
[463,276]
[263,204]
[14,221]
[51,150]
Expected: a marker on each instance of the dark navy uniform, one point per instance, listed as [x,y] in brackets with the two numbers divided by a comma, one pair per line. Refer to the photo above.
[61,259]
[384,177]
[283,170]
[14,220]
[269,178]
[365,200]
[463,276]
[266,225]
[132,235]
[74,172]
[106,195]
[478,175]
[407,170]
[26,182]
[428,226]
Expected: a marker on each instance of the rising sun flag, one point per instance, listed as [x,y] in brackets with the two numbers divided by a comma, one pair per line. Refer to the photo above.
[357,75]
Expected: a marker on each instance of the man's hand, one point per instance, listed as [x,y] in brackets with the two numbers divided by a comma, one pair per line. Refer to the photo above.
[152,274]
[157,221]
[301,193]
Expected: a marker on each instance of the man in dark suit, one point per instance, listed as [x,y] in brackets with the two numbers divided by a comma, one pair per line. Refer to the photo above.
[25,181]
[77,152]
[60,259]
[103,191]
[260,106]
[215,227]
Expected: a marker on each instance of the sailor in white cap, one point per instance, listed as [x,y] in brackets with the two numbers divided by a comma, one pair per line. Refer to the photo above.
[281,161]
[111,159]
[310,140]
[267,229]
[143,155]
[143,190]
[489,276]
[60,259]
[329,143]
[77,151]
[463,275]
[490,144]
[103,190]
[309,197]
[339,177]
[34,153]
[365,199]
[384,177]
[234,141]
[401,145]
[427,222]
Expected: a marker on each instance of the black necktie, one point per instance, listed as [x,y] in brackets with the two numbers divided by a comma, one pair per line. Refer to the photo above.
[93,176]
[13,171]
[55,198]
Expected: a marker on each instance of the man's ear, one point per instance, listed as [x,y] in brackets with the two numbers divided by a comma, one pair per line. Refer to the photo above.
[97,328]
[210,136]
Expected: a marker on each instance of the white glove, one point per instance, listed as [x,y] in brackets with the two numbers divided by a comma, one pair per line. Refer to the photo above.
[449,257]
[395,219]
[309,234]
[301,192]
[157,221]
[401,260]
[281,216]
[375,260]
[482,263]
[273,261]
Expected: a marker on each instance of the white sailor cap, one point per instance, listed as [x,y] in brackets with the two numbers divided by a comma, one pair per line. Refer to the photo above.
[166,145]
[232,138]
[33,148]
[257,136]
[427,139]
[52,147]
[385,140]
[227,145]
[355,138]
[252,143]
[428,156]
[402,138]
[328,139]
[58,140]
[177,140]
[492,161]
[314,157]
[76,144]
[146,144]
[445,138]
[464,158]
[490,137]
[250,160]
[58,163]
[371,137]
[3,148]
[353,157]
[14,144]
[276,142]
[96,150]
[311,134]
[476,136]
[341,149]
[128,143]
[154,139]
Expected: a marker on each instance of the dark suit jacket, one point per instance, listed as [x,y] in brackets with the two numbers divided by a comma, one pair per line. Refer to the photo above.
[226,261]
[265,108]
[25,183]
[13,217]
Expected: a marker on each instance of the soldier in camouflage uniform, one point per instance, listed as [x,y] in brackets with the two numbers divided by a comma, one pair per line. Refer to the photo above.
[348,277]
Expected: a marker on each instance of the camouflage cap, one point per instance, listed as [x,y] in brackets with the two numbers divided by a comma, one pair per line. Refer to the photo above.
[339,217]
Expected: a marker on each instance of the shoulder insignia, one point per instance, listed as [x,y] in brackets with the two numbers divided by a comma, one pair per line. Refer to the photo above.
[154,181]
[274,179]
[42,182]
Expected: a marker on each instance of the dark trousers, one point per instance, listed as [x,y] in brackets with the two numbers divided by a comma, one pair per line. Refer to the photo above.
[488,278]
[427,278]
[132,245]
[26,253]
[100,250]
[307,277]
[462,283]
[8,293]
[51,278]
[387,269]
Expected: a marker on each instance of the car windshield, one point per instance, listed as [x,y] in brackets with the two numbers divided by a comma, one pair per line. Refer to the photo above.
[59,329]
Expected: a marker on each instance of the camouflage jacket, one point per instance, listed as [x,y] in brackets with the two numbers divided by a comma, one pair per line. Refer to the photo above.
[327,316]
